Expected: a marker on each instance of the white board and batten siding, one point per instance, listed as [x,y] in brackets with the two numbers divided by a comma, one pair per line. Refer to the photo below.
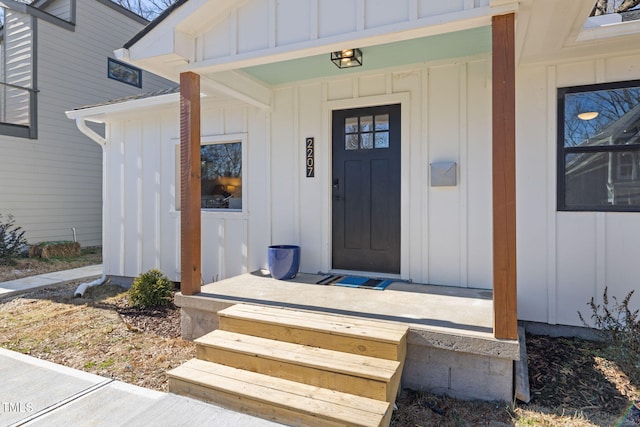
[566,258]
[226,35]
[446,231]
[256,24]
[143,224]
[53,184]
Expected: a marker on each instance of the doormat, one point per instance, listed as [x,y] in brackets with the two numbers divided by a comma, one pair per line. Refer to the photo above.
[355,282]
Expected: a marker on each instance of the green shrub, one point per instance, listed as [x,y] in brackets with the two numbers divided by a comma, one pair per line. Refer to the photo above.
[12,240]
[617,322]
[151,289]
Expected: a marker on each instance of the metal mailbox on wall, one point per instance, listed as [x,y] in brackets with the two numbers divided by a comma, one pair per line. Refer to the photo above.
[444,174]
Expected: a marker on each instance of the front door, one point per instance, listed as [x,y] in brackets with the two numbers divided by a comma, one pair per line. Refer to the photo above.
[366,189]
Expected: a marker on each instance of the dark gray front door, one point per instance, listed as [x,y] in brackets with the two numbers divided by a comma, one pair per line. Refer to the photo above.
[366,189]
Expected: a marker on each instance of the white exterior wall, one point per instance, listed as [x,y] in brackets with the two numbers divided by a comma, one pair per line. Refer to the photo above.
[257,24]
[53,183]
[143,225]
[565,258]
[446,232]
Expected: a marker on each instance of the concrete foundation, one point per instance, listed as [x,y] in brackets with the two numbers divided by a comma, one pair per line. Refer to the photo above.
[460,375]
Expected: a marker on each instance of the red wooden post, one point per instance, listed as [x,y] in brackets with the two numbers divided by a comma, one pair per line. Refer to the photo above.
[190,268]
[505,302]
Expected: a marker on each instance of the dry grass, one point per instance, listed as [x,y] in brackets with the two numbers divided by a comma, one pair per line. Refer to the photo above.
[24,267]
[89,334]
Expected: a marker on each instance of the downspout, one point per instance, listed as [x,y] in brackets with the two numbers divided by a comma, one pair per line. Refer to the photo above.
[102,142]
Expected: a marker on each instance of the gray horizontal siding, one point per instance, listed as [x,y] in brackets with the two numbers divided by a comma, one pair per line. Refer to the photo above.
[54,183]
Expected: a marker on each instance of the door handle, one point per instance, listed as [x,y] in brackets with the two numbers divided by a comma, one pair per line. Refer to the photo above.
[336,189]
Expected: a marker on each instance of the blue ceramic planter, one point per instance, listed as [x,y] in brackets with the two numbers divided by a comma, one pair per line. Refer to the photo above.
[284,261]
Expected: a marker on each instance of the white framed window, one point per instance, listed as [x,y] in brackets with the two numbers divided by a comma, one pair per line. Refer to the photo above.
[221,173]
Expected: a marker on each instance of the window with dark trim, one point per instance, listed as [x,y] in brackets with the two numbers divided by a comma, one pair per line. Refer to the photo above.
[599,147]
[124,73]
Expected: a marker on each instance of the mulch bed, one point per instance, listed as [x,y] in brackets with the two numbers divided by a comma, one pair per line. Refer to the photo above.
[162,321]
[563,373]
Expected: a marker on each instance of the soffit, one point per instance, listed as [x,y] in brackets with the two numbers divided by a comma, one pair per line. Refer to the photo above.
[554,31]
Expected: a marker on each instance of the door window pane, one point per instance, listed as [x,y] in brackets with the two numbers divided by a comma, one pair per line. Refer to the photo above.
[382,122]
[382,139]
[366,123]
[351,125]
[351,142]
[366,141]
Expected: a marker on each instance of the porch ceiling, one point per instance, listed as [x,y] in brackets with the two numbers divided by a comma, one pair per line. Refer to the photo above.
[438,47]
[552,31]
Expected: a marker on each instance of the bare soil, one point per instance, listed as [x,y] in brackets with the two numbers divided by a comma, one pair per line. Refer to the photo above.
[573,382]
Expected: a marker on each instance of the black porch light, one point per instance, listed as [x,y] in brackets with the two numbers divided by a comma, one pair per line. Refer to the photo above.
[347,58]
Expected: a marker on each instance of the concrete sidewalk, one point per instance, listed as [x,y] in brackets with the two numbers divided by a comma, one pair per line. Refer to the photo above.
[35,392]
[18,286]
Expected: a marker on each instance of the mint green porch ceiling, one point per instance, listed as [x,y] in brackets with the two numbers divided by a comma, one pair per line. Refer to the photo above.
[439,47]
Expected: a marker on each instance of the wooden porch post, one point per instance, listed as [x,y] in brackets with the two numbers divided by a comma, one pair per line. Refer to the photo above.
[190,269]
[505,304]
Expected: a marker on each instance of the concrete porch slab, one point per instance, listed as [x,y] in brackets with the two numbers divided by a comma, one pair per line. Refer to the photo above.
[431,311]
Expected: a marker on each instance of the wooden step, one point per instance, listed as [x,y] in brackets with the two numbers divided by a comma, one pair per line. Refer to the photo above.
[354,335]
[276,399]
[365,376]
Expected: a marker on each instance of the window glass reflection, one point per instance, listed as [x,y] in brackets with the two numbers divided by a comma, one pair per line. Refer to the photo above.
[366,141]
[366,124]
[221,176]
[382,122]
[602,117]
[351,142]
[382,139]
[351,125]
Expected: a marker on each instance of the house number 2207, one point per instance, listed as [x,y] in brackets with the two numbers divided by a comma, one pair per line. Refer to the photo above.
[311,163]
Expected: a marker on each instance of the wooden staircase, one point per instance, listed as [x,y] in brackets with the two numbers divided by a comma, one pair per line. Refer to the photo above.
[297,367]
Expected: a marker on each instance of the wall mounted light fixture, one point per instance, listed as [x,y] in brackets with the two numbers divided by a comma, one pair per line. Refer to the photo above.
[347,58]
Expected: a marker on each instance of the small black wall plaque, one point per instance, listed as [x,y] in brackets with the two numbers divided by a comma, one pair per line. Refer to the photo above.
[311,163]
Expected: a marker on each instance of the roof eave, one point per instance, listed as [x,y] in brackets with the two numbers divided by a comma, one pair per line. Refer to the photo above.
[99,114]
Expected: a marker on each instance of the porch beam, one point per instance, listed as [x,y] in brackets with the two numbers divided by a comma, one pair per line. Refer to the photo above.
[239,87]
[505,310]
[190,249]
